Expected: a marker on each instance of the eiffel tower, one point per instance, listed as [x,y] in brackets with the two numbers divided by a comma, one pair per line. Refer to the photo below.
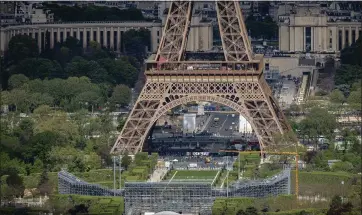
[237,81]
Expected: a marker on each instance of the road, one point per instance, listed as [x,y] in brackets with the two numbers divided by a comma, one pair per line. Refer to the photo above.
[223,125]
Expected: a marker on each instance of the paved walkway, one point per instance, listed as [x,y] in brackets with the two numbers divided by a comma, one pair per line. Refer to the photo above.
[157,175]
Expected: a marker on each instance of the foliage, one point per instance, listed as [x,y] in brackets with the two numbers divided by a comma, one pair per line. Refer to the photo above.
[37,68]
[44,186]
[121,95]
[337,207]
[18,80]
[337,96]
[342,166]
[348,74]
[69,59]
[354,99]
[94,204]
[136,43]
[265,28]
[352,55]
[15,186]
[21,47]
[318,122]
[126,161]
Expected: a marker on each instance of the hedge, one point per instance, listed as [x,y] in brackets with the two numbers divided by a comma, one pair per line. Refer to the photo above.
[310,211]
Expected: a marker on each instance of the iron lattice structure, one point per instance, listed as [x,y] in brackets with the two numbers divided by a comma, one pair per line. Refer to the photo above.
[70,184]
[237,81]
[196,197]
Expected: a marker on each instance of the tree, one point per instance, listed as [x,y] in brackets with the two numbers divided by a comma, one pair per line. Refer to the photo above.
[81,67]
[21,47]
[37,99]
[121,123]
[241,212]
[15,185]
[338,208]
[38,68]
[337,96]
[20,99]
[58,123]
[89,98]
[318,122]
[348,74]
[5,98]
[42,143]
[354,99]
[126,161]
[123,73]
[44,185]
[135,45]
[251,211]
[266,28]
[353,54]
[342,166]
[121,95]
[17,80]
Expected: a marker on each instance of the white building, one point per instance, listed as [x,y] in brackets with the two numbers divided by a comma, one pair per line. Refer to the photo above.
[317,29]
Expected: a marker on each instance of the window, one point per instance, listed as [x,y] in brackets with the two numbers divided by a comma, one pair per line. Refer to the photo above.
[340,40]
[267,66]
[88,37]
[345,38]
[353,36]
[115,40]
[330,43]
[61,36]
[158,41]
[308,39]
[158,33]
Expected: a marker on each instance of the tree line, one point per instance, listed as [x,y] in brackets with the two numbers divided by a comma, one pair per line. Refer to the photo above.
[350,71]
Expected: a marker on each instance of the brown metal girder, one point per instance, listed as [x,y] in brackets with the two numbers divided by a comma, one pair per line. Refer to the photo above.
[172,44]
[203,72]
[127,141]
[264,126]
[227,11]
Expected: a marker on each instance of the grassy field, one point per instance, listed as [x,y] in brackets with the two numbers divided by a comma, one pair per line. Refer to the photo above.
[192,175]
[326,184]
[286,204]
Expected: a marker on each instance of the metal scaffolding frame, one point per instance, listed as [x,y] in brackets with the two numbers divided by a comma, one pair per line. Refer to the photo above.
[197,197]
[70,184]
[186,197]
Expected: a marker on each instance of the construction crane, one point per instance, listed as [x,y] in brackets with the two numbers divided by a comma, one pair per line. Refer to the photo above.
[296,154]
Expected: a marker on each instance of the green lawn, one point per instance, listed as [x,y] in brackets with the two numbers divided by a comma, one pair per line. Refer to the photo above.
[192,175]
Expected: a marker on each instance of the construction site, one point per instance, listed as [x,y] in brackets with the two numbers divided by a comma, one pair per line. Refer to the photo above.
[190,192]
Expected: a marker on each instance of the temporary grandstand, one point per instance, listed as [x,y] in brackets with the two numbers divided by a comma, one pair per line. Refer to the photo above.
[179,194]
[196,197]
[70,184]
